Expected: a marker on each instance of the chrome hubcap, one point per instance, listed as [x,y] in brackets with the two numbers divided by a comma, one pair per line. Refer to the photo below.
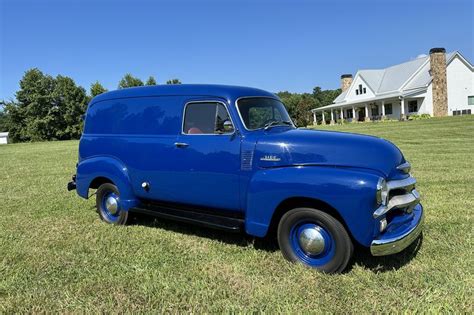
[111,204]
[312,241]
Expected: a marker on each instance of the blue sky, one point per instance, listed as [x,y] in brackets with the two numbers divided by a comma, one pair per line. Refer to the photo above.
[274,45]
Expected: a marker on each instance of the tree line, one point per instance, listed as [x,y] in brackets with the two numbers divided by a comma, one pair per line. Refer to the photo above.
[51,108]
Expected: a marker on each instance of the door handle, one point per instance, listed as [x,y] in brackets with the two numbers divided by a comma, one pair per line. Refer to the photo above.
[181,145]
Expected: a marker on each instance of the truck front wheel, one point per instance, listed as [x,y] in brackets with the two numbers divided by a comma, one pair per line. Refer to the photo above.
[108,205]
[315,239]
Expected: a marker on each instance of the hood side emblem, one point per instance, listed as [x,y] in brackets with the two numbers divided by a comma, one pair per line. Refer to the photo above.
[270,158]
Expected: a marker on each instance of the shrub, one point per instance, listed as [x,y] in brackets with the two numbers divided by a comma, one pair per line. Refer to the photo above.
[418,117]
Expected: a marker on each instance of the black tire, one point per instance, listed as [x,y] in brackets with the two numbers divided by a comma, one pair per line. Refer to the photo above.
[105,191]
[337,243]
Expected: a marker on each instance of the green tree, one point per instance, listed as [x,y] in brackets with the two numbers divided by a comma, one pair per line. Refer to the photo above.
[128,81]
[151,81]
[96,89]
[70,104]
[173,81]
[325,97]
[3,120]
[46,108]
[299,106]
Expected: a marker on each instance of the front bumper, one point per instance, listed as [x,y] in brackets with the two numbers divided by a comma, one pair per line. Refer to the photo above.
[392,242]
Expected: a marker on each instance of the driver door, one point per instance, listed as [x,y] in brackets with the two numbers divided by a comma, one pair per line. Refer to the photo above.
[208,156]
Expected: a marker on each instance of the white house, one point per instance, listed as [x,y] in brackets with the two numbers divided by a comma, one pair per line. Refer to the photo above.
[439,85]
[3,137]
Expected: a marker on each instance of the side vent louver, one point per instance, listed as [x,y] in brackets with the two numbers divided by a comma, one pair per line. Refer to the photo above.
[247,158]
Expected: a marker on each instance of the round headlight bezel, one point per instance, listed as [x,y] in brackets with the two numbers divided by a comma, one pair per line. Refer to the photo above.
[382,192]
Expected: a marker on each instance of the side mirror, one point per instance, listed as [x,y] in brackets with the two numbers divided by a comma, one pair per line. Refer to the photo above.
[228,127]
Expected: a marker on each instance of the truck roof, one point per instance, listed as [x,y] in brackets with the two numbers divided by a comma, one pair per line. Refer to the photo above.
[223,91]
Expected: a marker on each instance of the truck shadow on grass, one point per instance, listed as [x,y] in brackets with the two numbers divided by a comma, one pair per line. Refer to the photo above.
[362,256]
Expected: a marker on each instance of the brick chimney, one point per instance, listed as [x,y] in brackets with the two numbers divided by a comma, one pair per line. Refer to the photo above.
[346,80]
[439,82]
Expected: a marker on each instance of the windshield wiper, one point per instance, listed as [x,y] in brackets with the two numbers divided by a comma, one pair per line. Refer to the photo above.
[274,123]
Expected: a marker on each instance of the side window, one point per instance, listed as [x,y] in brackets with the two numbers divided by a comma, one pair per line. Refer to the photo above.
[207,118]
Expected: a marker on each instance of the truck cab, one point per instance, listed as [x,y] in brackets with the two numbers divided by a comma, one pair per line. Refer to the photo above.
[231,158]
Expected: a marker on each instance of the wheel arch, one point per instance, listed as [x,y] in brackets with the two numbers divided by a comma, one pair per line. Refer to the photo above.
[93,172]
[303,202]
[98,181]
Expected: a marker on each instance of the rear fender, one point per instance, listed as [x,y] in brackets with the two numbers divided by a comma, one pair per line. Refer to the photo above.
[350,192]
[110,168]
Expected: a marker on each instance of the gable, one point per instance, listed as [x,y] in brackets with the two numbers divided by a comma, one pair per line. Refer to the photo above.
[359,90]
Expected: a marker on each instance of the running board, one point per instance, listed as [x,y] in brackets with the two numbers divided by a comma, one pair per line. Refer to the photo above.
[219,222]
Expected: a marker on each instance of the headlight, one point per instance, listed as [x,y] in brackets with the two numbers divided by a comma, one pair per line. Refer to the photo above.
[382,192]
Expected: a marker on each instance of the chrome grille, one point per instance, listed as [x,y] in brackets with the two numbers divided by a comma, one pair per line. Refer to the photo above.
[402,195]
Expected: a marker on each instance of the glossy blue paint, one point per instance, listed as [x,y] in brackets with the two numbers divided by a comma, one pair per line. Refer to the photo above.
[351,192]
[130,135]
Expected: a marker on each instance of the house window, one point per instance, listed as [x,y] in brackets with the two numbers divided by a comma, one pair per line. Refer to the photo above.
[375,111]
[466,112]
[412,106]
[388,109]
[361,90]
[470,100]
[456,112]
[349,113]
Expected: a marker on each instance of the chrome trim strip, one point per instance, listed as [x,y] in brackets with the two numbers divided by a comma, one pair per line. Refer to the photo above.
[272,98]
[397,244]
[207,134]
[395,184]
[410,199]
[405,167]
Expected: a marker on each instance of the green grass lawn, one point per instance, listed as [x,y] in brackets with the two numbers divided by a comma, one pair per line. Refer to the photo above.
[56,255]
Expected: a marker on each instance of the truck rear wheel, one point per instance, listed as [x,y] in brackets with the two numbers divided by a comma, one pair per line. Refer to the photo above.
[108,205]
[315,239]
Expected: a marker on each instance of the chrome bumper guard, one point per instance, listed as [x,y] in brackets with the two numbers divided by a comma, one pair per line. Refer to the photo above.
[408,200]
[393,243]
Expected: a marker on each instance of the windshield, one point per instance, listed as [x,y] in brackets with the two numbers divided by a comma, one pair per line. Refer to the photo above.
[262,112]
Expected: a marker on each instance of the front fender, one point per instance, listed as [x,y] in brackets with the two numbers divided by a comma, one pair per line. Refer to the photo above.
[110,168]
[351,192]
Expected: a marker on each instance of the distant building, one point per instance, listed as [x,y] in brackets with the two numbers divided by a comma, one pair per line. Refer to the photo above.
[439,85]
[3,137]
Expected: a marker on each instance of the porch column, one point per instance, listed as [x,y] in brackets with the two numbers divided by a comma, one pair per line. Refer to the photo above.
[323,122]
[383,110]
[367,118]
[315,122]
[402,109]
[353,114]
[332,117]
[342,113]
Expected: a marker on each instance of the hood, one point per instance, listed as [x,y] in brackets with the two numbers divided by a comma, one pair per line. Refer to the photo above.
[283,146]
